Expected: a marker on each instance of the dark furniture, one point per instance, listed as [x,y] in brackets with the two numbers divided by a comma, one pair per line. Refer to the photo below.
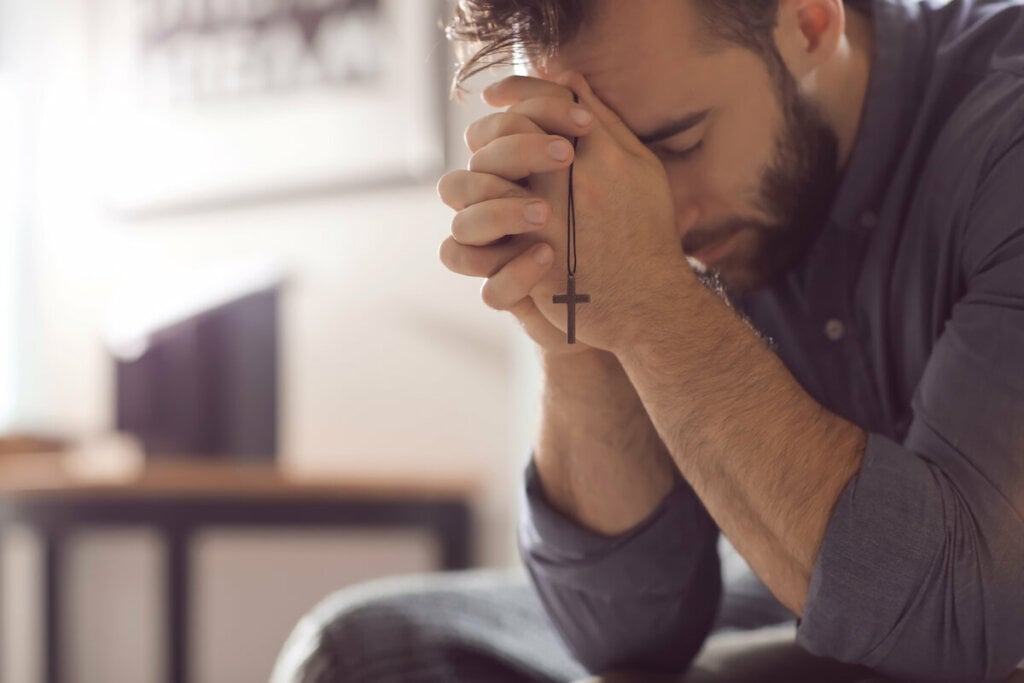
[177,498]
[207,384]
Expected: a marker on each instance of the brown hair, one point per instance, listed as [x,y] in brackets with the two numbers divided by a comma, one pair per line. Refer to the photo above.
[497,31]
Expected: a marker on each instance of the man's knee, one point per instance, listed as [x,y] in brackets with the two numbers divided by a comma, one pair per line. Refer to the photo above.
[391,627]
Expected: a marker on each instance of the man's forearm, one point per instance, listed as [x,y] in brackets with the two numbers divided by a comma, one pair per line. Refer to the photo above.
[766,459]
[599,458]
[628,572]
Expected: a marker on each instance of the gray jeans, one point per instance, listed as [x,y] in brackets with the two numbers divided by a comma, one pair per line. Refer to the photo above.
[489,626]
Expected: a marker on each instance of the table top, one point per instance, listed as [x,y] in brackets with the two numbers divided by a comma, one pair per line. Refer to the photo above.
[50,476]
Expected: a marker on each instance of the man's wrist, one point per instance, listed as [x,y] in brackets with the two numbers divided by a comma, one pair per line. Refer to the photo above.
[579,374]
[598,458]
[662,313]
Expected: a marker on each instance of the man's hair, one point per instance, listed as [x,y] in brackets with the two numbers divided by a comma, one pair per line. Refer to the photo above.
[503,31]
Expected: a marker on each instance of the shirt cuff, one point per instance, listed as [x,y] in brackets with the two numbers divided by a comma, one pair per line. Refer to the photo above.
[884,572]
[658,555]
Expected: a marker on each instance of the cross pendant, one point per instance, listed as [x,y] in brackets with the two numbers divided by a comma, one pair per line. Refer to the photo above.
[571,299]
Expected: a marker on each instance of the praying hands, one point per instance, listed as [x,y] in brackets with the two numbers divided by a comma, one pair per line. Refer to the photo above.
[510,225]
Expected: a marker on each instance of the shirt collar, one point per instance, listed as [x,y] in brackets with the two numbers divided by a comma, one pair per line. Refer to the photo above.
[888,113]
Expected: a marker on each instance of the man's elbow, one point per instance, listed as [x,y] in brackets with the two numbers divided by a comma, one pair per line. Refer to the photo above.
[975,636]
[649,633]
[972,632]
[970,659]
[664,646]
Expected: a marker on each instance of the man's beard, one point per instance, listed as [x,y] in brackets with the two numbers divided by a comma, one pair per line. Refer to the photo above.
[796,192]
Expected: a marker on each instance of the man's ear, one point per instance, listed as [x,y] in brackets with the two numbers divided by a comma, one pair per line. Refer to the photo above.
[808,34]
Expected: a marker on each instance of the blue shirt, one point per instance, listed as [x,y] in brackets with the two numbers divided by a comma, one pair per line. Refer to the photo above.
[907,318]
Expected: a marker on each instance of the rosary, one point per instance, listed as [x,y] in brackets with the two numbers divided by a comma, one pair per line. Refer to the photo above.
[571,298]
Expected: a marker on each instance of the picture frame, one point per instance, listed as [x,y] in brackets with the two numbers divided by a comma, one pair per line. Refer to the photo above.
[199,105]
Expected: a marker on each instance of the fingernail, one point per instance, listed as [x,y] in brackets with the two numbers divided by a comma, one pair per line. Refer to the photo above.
[543,255]
[581,116]
[536,212]
[560,150]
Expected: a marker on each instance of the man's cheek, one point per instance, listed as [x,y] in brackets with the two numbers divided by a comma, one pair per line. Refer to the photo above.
[712,184]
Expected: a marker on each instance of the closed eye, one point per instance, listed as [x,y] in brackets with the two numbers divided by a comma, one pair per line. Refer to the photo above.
[684,154]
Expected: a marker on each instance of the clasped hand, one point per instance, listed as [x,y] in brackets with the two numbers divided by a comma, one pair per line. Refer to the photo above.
[510,221]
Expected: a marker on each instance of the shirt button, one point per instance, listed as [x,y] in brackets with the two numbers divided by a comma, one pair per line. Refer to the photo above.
[835,330]
[869,219]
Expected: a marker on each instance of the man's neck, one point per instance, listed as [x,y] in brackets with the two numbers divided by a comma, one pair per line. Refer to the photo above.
[844,83]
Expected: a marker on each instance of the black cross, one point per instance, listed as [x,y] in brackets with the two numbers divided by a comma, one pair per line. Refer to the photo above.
[571,299]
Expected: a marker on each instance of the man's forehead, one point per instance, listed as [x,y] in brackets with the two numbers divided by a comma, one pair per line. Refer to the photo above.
[643,97]
[635,56]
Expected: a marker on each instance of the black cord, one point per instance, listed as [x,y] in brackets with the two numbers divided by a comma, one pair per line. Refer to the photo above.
[570,250]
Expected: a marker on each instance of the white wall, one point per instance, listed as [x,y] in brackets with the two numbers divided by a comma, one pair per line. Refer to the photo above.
[9,240]
[18,70]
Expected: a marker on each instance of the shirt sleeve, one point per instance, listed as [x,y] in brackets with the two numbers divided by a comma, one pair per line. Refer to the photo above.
[641,600]
[921,571]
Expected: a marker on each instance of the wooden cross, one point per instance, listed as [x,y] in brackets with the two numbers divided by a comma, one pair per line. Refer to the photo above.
[571,299]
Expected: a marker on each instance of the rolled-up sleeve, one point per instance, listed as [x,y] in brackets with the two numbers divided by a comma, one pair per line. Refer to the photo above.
[921,571]
[641,600]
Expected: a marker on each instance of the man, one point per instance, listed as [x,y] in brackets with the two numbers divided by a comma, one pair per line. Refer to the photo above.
[844,403]
[850,414]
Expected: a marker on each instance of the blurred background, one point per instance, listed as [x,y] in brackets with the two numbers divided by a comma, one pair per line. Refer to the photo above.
[234,376]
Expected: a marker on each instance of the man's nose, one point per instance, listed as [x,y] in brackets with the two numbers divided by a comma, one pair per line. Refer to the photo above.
[688,214]
[685,198]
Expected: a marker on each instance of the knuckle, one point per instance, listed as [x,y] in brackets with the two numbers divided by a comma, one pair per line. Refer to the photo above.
[502,83]
[487,295]
[506,190]
[506,85]
[476,160]
[495,126]
[446,188]
[469,135]
[563,104]
[500,157]
[460,229]
[523,152]
[447,254]
[462,189]
[535,109]
[491,296]
[490,187]
[480,132]
[489,128]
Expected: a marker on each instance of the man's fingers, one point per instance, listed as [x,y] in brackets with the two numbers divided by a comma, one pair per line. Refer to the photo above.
[498,125]
[473,261]
[486,222]
[513,283]
[610,121]
[459,189]
[514,89]
[556,115]
[518,156]
[536,325]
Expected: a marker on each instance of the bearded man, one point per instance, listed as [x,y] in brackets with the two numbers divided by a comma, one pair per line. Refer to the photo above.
[845,401]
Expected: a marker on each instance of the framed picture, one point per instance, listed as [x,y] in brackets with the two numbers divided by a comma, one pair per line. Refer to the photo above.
[220,102]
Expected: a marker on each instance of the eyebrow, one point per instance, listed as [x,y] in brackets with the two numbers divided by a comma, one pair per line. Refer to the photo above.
[674,127]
